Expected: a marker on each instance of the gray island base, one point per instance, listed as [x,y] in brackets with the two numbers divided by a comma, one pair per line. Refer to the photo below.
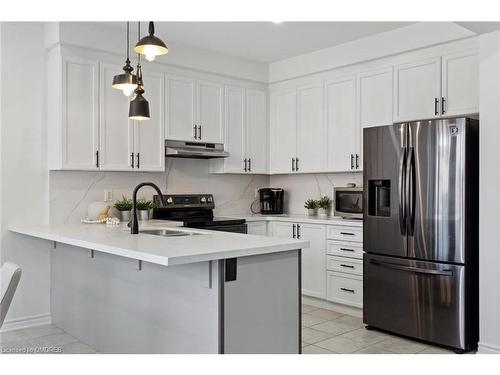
[249,304]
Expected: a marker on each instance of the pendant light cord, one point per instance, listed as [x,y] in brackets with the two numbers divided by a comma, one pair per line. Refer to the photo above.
[128,41]
[138,39]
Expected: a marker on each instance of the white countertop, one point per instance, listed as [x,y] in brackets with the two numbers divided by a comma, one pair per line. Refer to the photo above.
[158,249]
[332,220]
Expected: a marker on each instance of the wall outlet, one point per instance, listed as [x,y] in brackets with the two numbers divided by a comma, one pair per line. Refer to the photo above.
[108,195]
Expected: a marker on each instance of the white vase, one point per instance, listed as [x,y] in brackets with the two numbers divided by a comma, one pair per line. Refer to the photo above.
[324,212]
[312,211]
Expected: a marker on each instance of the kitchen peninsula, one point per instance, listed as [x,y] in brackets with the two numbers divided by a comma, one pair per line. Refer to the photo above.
[195,291]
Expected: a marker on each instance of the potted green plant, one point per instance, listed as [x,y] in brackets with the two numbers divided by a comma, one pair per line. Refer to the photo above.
[143,208]
[324,204]
[124,206]
[312,207]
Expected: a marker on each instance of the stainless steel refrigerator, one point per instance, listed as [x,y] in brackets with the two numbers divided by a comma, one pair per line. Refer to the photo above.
[421,186]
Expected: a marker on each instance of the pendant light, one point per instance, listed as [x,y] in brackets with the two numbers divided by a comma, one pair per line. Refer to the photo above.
[151,46]
[139,106]
[127,82]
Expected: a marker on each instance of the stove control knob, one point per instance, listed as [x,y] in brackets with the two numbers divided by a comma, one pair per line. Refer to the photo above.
[203,199]
[170,200]
[209,199]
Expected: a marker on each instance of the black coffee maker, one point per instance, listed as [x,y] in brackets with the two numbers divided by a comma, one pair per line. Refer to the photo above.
[271,201]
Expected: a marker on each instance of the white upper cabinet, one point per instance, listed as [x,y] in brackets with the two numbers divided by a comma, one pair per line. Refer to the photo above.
[181,115]
[283,131]
[340,106]
[311,142]
[375,98]
[210,97]
[115,133]
[417,90]
[257,145]
[76,141]
[460,83]
[149,137]
[235,130]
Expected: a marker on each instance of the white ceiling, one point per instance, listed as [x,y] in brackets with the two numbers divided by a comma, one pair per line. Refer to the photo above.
[265,41]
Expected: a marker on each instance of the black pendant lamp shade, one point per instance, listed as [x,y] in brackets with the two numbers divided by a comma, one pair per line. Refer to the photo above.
[151,46]
[127,82]
[139,106]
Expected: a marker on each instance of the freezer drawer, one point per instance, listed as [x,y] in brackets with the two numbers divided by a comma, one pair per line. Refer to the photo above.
[344,288]
[424,300]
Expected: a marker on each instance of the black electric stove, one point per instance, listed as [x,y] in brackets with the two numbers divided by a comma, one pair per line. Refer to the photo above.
[195,211]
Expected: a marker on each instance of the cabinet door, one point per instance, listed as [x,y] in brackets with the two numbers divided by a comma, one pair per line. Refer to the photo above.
[311,141]
[282,229]
[80,121]
[460,83]
[341,129]
[314,260]
[257,131]
[235,130]
[283,130]
[209,103]
[116,133]
[258,228]
[180,108]
[149,137]
[417,90]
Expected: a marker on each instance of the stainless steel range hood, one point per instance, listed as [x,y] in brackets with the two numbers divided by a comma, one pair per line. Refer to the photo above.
[194,150]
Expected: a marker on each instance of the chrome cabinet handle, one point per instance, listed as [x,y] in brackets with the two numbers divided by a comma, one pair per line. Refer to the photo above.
[347,290]
[298,230]
[132,159]
[199,131]
[138,160]
[436,104]
[195,133]
[245,164]
[293,230]
[249,164]
[352,161]
[293,164]
[443,101]
[357,161]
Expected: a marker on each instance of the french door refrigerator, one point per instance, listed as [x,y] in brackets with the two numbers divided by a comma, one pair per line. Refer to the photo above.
[421,183]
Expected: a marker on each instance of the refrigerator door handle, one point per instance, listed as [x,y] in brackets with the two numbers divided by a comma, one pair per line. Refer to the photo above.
[413,269]
[411,189]
[402,192]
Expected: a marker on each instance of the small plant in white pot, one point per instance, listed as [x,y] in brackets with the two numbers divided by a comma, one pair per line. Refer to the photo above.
[124,206]
[143,208]
[324,205]
[312,207]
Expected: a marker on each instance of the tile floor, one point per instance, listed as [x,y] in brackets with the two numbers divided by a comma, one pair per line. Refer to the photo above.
[323,332]
[329,332]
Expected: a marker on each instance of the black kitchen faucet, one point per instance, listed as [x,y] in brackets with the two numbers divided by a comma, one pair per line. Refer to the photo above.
[134,224]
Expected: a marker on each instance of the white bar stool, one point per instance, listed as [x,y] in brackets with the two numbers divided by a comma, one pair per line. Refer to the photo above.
[10,274]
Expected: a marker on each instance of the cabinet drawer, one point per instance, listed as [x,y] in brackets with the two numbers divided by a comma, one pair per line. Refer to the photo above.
[347,265]
[345,233]
[344,288]
[344,249]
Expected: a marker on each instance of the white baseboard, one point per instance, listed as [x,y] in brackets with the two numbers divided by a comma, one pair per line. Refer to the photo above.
[484,348]
[25,322]
[344,309]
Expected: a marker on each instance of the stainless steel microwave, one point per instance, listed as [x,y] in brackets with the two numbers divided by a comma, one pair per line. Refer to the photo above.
[348,202]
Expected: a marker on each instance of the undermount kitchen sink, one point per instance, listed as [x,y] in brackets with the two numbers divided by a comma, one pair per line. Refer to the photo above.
[168,232]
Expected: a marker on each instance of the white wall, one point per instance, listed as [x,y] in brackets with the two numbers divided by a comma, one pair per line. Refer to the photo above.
[489,206]
[299,188]
[24,173]
[72,192]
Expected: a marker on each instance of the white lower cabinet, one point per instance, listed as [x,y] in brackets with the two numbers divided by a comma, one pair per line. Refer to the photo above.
[345,288]
[258,228]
